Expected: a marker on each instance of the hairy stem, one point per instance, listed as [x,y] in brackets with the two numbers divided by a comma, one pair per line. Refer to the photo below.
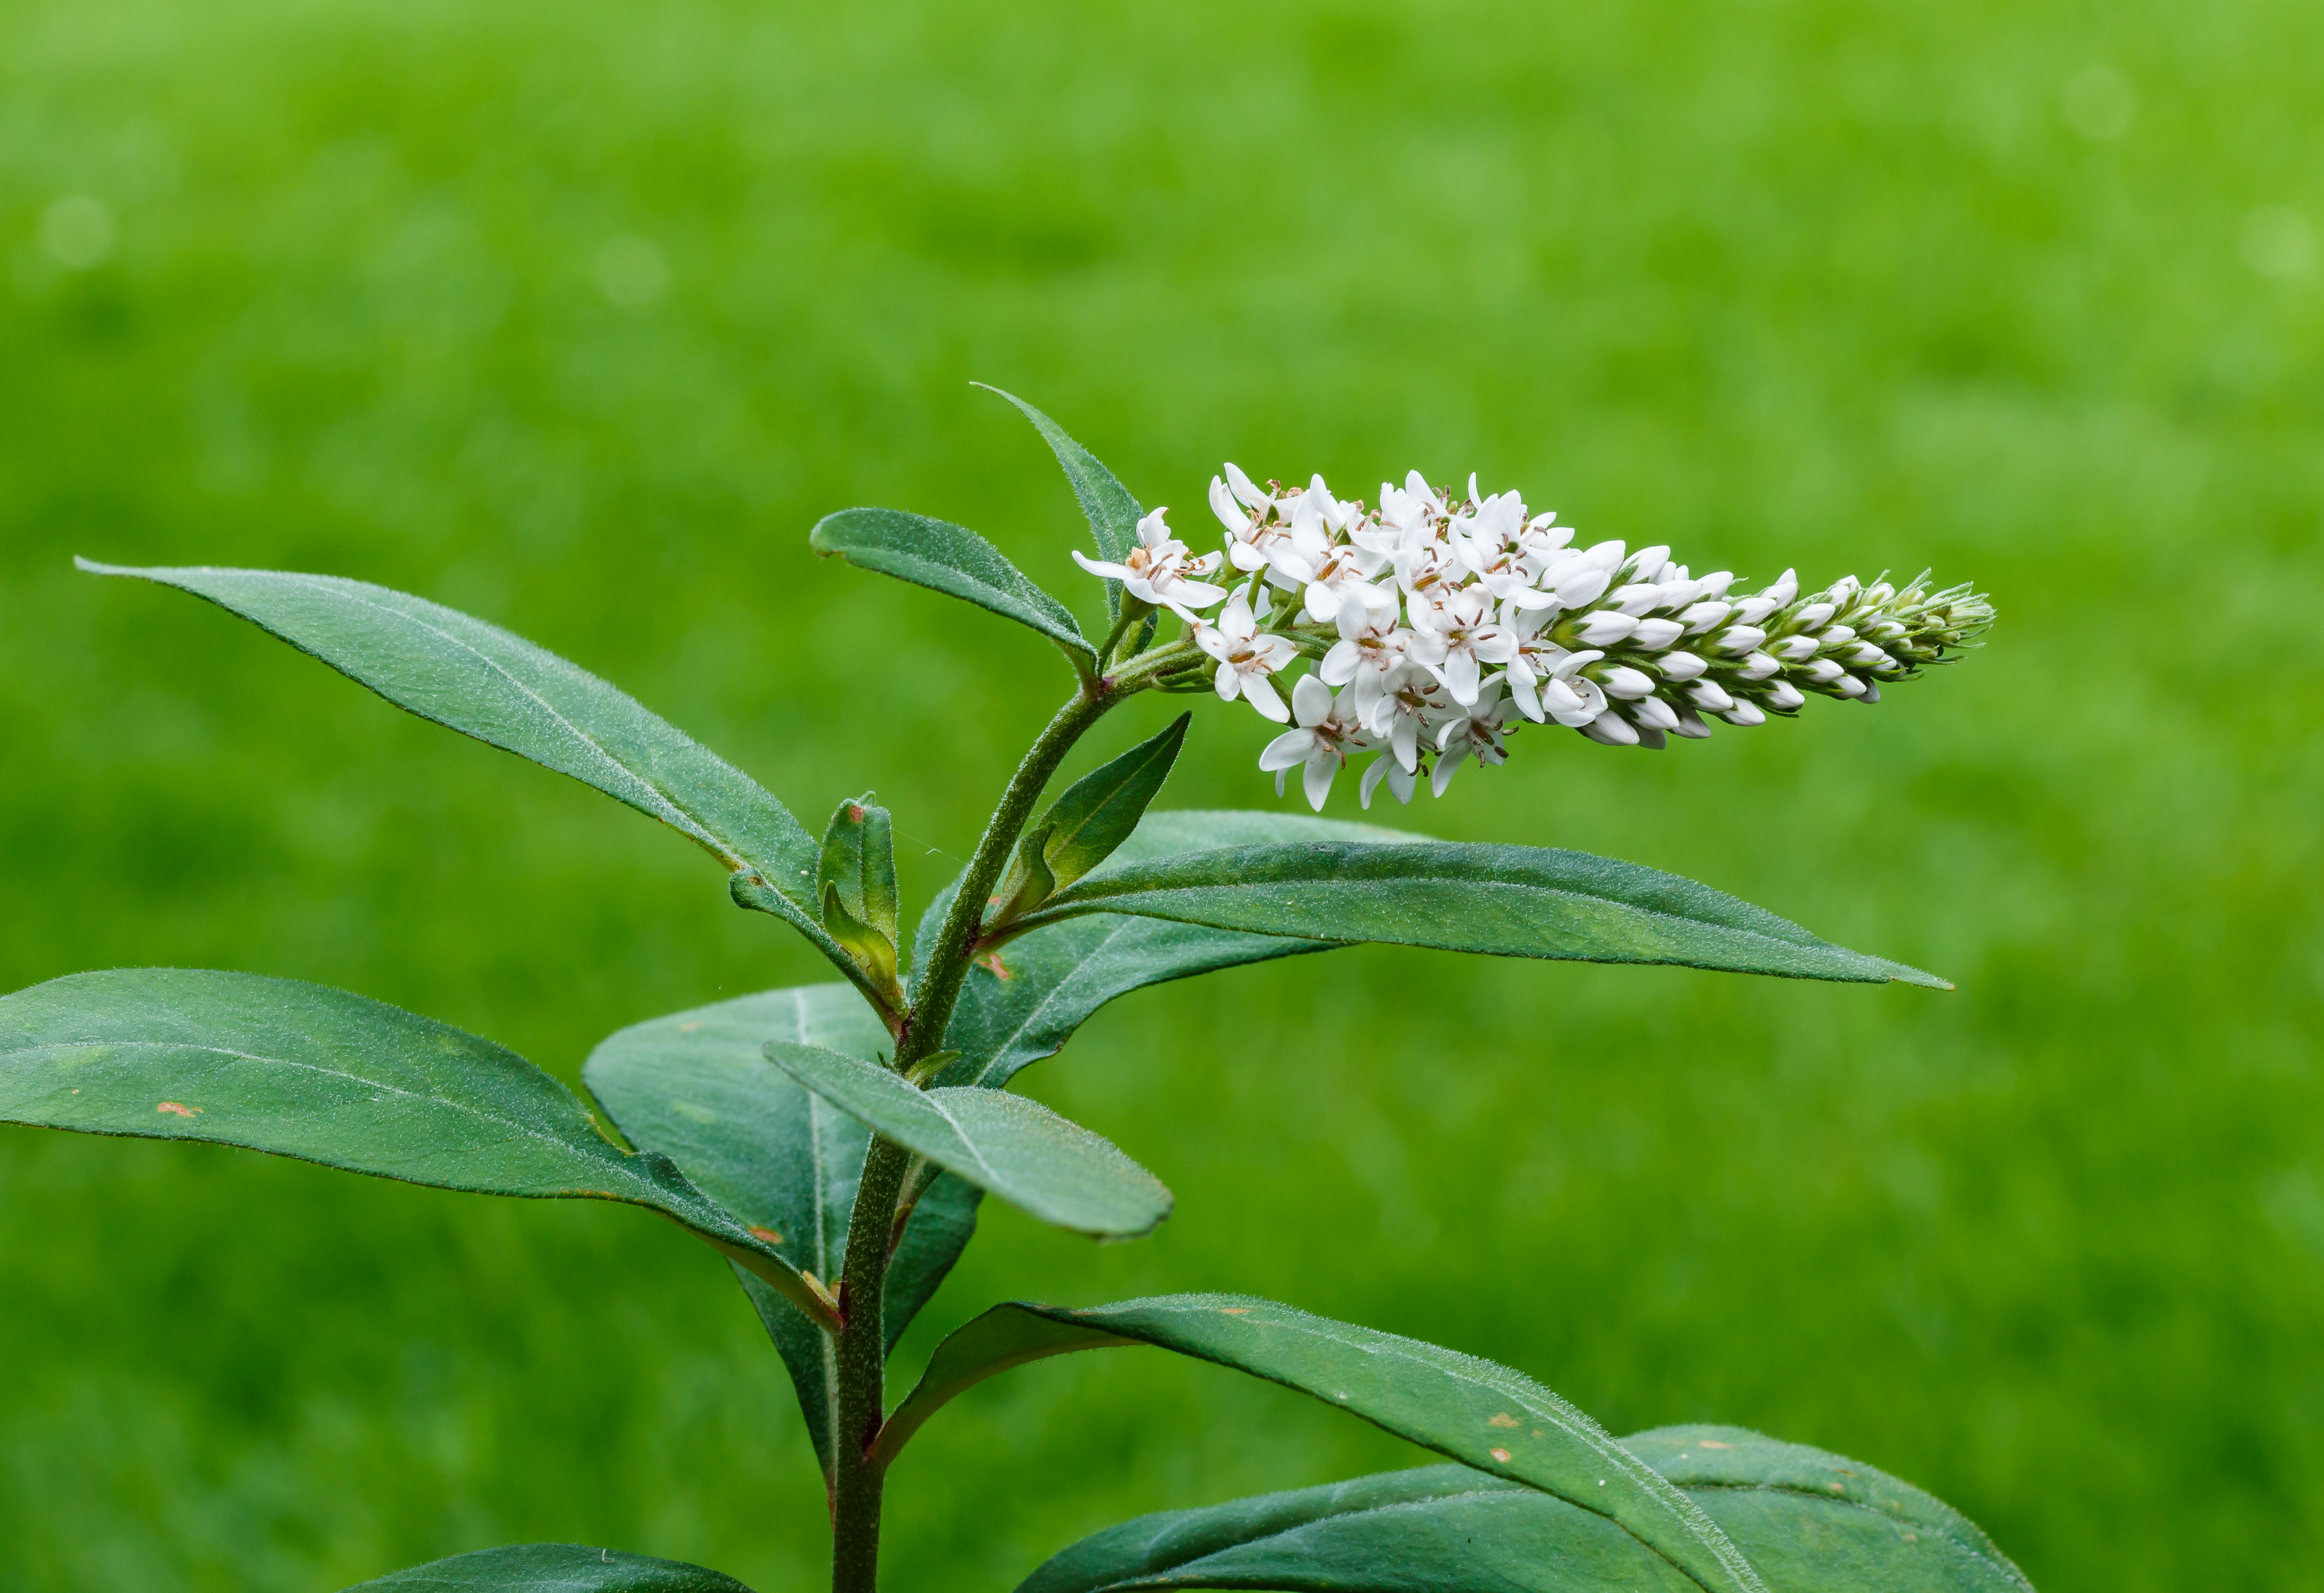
[860,1352]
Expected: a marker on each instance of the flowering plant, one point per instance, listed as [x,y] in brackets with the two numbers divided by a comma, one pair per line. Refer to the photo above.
[831,1142]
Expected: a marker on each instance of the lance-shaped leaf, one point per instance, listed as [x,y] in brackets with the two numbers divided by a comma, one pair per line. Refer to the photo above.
[1016,1149]
[1113,514]
[1025,1001]
[316,1074]
[552,1568]
[698,1088]
[482,681]
[1508,901]
[1808,1522]
[952,559]
[1084,827]
[1484,1415]
[856,884]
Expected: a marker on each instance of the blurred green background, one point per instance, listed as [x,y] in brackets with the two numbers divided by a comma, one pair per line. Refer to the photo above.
[575,315]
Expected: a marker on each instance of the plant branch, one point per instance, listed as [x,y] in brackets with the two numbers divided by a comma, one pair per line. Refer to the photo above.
[861,1350]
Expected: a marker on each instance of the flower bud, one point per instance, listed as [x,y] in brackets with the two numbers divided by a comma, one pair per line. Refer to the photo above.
[1635,599]
[1711,695]
[1682,666]
[1739,639]
[1653,712]
[1783,695]
[1701,616]
[1606,627]
[1612,729]
[1758,666]
[1745,714]
[1654,634]
[1621,681]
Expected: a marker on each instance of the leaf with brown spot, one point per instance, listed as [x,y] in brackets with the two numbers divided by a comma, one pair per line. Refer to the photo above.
[322,1075]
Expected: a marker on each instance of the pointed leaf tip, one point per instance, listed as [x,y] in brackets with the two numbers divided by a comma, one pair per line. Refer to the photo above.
[952,559]
[1113,512]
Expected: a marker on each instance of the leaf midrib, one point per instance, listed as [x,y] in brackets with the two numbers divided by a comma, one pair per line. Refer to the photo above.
[224,1051]
[1093,903]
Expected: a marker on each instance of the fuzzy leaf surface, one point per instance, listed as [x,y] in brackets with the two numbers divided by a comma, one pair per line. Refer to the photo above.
[948,559]
[319,1075]
[1807,1521]
[551,1568]
[1506,900]
[1113,511]
[1484,1415]
[1015,1148]
[484,682]
[698,1088]
[1026,1002]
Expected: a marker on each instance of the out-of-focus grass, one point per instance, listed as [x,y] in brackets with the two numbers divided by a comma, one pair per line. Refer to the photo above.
[2032,293]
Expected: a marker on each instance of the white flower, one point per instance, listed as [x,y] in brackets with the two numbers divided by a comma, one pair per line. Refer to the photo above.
[1478,730]
[1325,735]
[1410,704]
[1160,570]
[1457,637]
[1371,642]
[1544,682]
[1493,541]
[1580,576]
[1246,658]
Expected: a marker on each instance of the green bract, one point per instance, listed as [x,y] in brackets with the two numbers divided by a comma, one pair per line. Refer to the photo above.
[833,1140]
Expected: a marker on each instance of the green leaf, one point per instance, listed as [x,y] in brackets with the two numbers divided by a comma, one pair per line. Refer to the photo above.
[1808,1522]
[1017,1149]
[952,559]
[552,1568]
[482,681]
[696,1086]
[1863,1529]
[1085,826]
[856,883]
[1025,1001]
[1509,901]
[1441,1529]
[1113,514]
[1484,1415]
[300,1070]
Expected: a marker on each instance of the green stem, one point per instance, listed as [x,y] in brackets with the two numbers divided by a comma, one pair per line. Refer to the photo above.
[861,1350]
[938,988]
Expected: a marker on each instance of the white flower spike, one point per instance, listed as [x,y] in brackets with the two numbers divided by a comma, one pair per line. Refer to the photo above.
[1446,624]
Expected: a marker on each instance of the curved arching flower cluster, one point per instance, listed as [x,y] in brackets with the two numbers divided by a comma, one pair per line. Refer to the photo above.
[1437,625]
